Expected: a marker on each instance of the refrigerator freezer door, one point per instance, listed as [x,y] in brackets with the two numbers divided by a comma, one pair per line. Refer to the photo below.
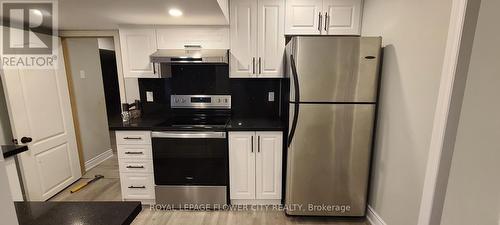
[335,69]
[329,159]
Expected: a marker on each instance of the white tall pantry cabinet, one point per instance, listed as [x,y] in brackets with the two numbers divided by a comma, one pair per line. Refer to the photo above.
[257,36]
[323,17]
[255,167]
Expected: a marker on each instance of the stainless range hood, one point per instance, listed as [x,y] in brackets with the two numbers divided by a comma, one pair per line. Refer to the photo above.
[187,56]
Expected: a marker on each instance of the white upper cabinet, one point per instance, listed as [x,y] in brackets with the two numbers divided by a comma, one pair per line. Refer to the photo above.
[271,38]
[137,44]
[303,16]
[243,32]
[257,38]
[178,37]
[323,17]
[342,17]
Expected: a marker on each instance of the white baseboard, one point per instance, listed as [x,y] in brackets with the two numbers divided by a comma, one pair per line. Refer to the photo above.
[373,217]
[91,163]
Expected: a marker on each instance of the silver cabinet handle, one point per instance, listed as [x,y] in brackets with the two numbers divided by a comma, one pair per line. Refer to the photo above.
[320,21]
[251,149]
[132,138]
[327,21]
[135,167]
[258,143]
[260,65]
[133,153]
[253,65]
[137,187]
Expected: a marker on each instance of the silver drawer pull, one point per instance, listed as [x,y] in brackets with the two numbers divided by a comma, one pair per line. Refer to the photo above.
[135,167]
[134,153]
[132,138]
[137,187]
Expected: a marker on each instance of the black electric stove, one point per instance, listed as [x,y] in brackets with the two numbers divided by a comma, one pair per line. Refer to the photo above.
[191,154]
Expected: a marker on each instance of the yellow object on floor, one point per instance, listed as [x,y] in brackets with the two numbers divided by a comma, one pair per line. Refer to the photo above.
[79,187]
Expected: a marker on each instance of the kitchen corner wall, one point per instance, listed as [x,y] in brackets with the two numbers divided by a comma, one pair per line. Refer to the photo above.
[473,193]
[414,35]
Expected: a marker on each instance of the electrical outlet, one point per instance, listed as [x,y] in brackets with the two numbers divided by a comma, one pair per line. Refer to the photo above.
[149,96]
[270,96]
[82,74]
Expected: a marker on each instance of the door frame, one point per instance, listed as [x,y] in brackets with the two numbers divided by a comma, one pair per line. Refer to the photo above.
[463,20]
[121,79]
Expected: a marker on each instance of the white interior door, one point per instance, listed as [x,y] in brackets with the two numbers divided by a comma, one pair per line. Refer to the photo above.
[242,165]
[243,31]
[39,107]
[268,165]
[271,41]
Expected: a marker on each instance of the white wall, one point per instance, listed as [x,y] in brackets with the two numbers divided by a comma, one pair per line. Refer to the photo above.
[414,35]
[5,129]
[106,43]
[7,212]
[89,95]
[473,193]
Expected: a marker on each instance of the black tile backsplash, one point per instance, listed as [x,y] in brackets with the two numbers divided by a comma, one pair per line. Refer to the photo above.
[249,96]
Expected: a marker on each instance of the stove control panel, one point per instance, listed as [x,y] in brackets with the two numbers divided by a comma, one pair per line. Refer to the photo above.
[200,101]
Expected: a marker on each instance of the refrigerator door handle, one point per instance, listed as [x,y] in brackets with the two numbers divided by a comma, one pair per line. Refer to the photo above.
[297,99]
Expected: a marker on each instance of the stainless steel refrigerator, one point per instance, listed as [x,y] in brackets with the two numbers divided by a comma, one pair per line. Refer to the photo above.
[333,97]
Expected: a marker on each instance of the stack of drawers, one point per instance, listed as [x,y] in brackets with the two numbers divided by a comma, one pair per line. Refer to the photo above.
[135,159]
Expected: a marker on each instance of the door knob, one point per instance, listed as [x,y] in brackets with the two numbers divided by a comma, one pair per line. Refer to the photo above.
[25,140]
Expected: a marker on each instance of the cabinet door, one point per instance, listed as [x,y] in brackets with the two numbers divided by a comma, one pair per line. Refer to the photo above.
[137,45]
[343,17]
[268,165]
[303,16]
[242,165]
[243,32]
[271,40]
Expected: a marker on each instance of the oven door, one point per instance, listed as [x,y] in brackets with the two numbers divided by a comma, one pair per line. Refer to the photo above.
[190,158]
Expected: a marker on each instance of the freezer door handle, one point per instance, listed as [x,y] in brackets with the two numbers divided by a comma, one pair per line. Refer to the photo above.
[297,99]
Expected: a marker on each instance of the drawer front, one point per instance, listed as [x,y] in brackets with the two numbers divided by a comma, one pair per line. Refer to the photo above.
[134,166]
[137,186]
[133,137]
[134,152]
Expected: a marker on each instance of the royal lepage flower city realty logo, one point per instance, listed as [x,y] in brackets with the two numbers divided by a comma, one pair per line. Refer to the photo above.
[29,34]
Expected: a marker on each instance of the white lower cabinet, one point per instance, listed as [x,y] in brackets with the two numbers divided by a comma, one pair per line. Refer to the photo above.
[255,167]
[135,160]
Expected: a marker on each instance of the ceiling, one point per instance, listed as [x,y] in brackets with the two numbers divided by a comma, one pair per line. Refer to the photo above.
[108,14]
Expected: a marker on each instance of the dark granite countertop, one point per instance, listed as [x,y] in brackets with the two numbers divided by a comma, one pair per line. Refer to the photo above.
[85,213]
[12,150]
[235,124]
[143,123]
[255,124]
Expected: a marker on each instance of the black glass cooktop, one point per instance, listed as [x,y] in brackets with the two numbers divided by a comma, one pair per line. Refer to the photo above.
[186,122]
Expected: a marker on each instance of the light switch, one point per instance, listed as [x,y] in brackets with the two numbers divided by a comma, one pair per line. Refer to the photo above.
[149,96]
[82,74]
[271,96]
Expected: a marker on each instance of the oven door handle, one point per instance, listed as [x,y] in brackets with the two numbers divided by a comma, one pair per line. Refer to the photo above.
[188,134]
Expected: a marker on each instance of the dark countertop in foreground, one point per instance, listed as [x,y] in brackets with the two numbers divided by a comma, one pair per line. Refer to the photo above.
[66,213]
[12,150]
[235,124]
